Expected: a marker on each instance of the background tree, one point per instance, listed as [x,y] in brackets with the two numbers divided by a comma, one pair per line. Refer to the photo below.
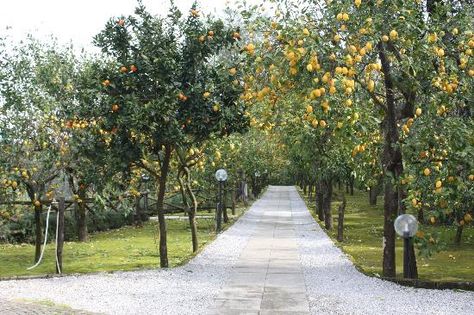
[30,138]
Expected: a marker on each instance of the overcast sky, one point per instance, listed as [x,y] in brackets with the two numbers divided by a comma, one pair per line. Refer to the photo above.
[79,20]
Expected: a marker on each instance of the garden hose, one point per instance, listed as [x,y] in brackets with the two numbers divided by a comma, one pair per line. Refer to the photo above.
[45,239]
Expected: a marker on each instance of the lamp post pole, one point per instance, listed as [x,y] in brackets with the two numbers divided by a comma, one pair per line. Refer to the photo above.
[406,256]
[257,187]
[219,210]
[406,226]
[221,176]
[144,194]
[145,179]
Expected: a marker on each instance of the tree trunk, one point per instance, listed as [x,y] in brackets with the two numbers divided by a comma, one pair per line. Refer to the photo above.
[421,215]
[193,226]
[186,188]
[393,167]
[390,210]
[351,185]
[373,192]
[319,201]
[163,248]
[233,202]
[80,211]
[305,189]
[340,221]
[38,234]
[60,241]
[245,193]
[82,221]
[458,237]
[192,218]
[241,188]
[327,198]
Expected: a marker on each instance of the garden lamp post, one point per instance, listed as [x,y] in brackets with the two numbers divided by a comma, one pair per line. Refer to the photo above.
[221,176]
[145,180]
[406,226]
[256,187]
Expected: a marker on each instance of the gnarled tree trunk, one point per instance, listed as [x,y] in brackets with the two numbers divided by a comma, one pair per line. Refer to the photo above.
[458,237]
[163,247]
[327,198]
[319,201]
[82,217]
[38,234]
[192,219]
[233,202]
[184,178]
[392,165]
[340,221]
[82,222]
[373,193]
[351,185]
[79,209]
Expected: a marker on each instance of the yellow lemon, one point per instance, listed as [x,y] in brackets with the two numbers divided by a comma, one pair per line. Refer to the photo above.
[393,34]
[427,172]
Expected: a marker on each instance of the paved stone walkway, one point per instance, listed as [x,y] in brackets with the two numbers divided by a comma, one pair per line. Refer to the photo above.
[268,278]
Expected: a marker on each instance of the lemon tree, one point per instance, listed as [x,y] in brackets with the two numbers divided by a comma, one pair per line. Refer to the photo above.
[30,136]
[168,85]
[348,59]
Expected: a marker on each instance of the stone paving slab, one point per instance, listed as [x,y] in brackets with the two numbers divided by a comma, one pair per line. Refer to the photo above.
[268,277]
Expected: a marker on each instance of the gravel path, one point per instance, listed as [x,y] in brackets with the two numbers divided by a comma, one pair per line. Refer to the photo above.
[190,289]
[333,285]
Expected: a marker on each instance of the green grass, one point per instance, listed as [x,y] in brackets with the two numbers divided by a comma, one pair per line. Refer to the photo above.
[47,303]
[127,248]
[363,230]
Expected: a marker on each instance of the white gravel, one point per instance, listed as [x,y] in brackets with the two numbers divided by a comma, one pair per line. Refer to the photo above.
[190,289]
[335,286]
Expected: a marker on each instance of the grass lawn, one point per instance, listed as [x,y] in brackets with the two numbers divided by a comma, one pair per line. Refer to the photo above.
[363,230]
[127,248]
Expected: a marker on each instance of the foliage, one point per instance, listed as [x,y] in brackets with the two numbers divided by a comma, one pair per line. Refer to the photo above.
[359,95]
[168,84]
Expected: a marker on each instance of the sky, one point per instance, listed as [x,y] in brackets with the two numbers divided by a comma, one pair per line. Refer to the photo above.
[77,21]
